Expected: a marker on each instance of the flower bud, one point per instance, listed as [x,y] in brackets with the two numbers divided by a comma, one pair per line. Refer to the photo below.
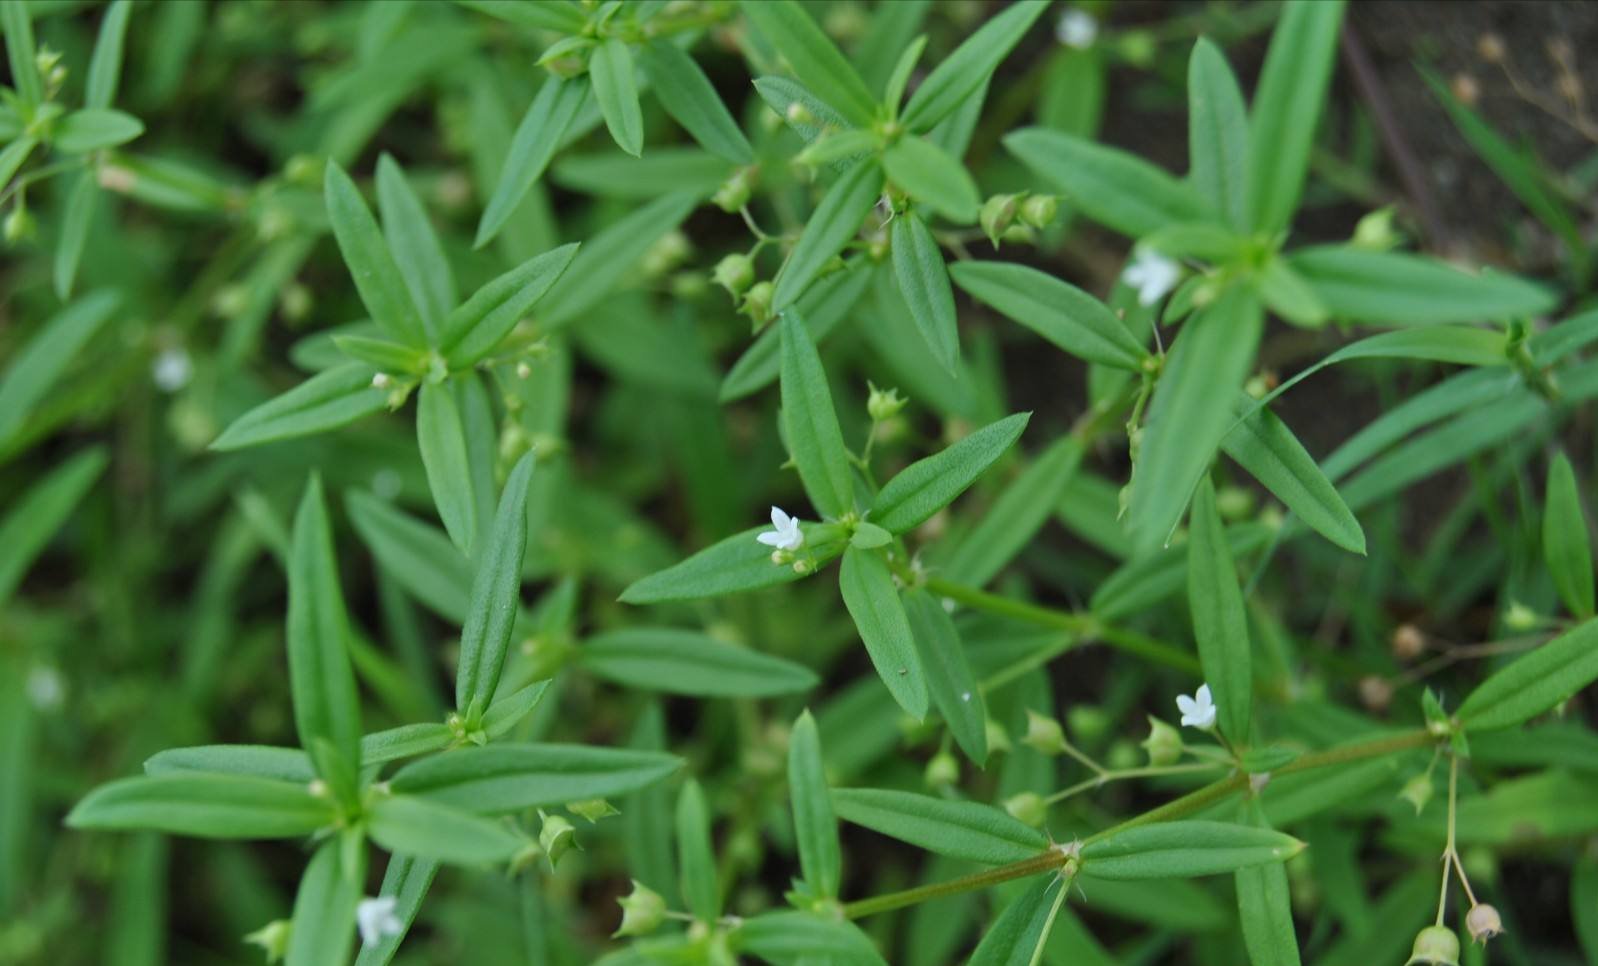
[735,273]
[1375,692]
[642,911]
[1483,923]
[884,404]
[998,738]
[1408,642]
[1519,617]
[1234,503]
[1044,734]
[799,115]
[666,254]
[757,303]
[1164,743]
[1027,807]
[556,837]
[734,192]
[1435,946]
[1375,231]
[1088,722]
[942,770]
[998,213]
[20,225]
[593,809]
[1491,48]
[1039,211]
[272,937]
[1417,791]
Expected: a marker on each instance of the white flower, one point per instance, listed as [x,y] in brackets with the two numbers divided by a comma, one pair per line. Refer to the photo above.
[376,920]
[785,534]
[1076,28]
[1197,711]
[172,369]
[1152,274]
[45,688]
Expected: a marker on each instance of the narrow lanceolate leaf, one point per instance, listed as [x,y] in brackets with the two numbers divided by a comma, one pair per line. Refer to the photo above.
[1287,106]
[32,518]
[247,761]
[441,437]
[1262,444]
[737,564]
[1113,187]
[678,661]
[418,555]
[1220,624]
[495,598]
[835,221]
[616,89]
[74,231]
[1566,546]
[873,602]
[955,692]
[560,16]
[610,256]
[1065,315]
[970,66]
[1015,517]
[1016,938]
[688,96]
[815,825]
[795,938]
[13,154]
[534,144]
[962,830]
[1217,133]
[924,283]
[418,827]
[695,855]
[18,24]
[934,178]
[1191,411]
[415,246]
[324,907]
[36,367]
[323,685]
[506,777]
[377,278]
[406,881]
[815,59]
[105,66]
[927,486]
[817,118]
[327,400]
[1534,682]
[813,435]
[1397,289]
[206,806]
[1264,907]
[1170,850]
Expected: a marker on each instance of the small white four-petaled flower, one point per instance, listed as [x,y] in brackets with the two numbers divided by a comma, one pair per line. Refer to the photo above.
[376,920]
[1076,28]
[785,533]
[1152,274]
[1197,711]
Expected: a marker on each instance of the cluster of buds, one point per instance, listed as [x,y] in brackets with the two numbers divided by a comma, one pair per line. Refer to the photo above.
[1016,217]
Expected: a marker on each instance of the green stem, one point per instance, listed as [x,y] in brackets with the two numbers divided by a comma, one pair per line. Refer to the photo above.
[1105,778]
[1045,862]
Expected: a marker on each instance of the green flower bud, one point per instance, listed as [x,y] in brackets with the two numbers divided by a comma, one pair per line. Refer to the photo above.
[666,254]
[735,273]
[1435,946]
[998,738]
[304,169]
[1519,617]
[556,837]
[642,911]
[593,809]
[1027,807]
[1483,923]
[1044,734]
[942,770]
[884,404]
[1138,47]
[1039,211]
[799,115]
[20,225]
[1122,755]
[734,192]
[1375,231]
[1234,503]
[272,937]
[997,214]
[1417,791]
[757,303]
[1088,723]
[1164,743]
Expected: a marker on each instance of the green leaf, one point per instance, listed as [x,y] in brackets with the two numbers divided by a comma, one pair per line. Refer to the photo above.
[899,79]
[247,761]
[415,245]
[687,95]
[1220,623]
[1016,938]
[813,435]
[13,154]
[406,880]
[1191,411]
[441,437]
[35,368]
[608,257]
[477,326]
[970,66]
[836,220]
[1147,580]
[616,89]
[105,65]
[924,283]
[1110,186]
[207,806]
[962,830]
[1015,516]
[815,60]
[417,555]
[614,174]
[495,598]
[794,938]
[1186,848]
[1393,288]
[955,690]
[559,16]
[1065,315]
[1565,543]
[324,906]
[418,827]
[33,517]
[1287,107]
[508,777]
[873,602]
[677,661]
[326,707]
[327,400]
[734,565]
[933,178]
[700,889]
[385,355]
[822,307]
[18,26]
[928,485]
[1290,295]
[538,136]
[1264,446]
[75,224]
[817,118]
[1217,133]
[377,278]
[1534,682]
[815,825]
[1263,905]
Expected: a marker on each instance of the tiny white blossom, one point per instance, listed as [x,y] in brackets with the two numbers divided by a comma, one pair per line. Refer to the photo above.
[376,920]
[785,533]
[45,688]
[1152,274]
[1197,711]
[1076,28]
[172,369]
